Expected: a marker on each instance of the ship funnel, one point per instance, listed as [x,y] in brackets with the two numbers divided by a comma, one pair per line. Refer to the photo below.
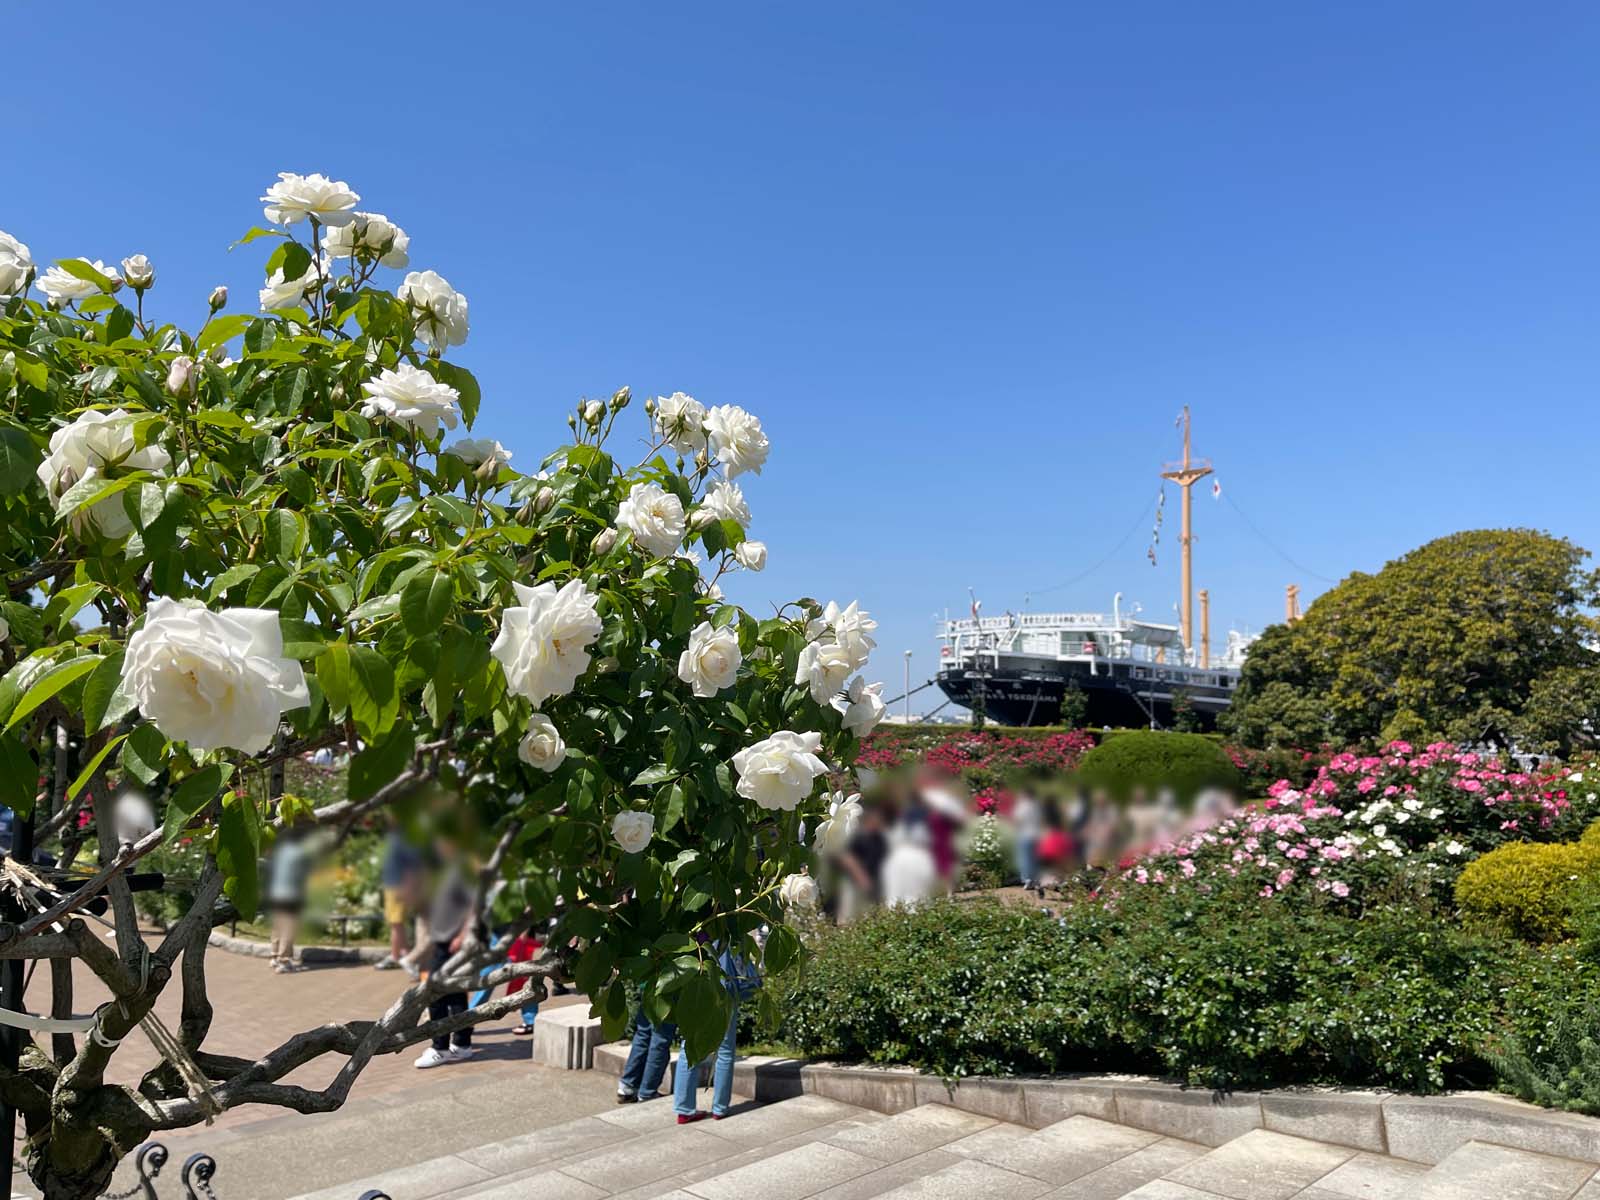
[1116,610]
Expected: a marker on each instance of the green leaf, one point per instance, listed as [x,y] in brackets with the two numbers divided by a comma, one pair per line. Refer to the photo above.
[80,269]
[464,382]
[237,847]
[233,576]
[119,324]
[19,459]
[783,947]
[425,603]
[144,756]
[381,762]
[221,329]
[374,702]
[255,231]
[285,534]
[19,774]
[93,765]
[192,795]
[594,969]
[651,776]
[56,677]
[101,704]
[700,1007]
[333,672]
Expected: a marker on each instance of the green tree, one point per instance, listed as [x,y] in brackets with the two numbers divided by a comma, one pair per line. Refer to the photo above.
[228,547]
[1074,705]
[1184,717]
[1485,635]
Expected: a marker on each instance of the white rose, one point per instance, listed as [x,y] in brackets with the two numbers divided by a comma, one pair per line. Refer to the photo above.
[441,310]
[296,197]
[778,772]
[725,501]
[712,660]
[751,555]
[543,643]
[286,293]
[93,444]
[852,629]
[181,375]
[16,265]
[60,286]
[218,298]
[798,892]
[632,830]
[213,680]
[412,398]
[680,420]
[369,235]
[593,412]
[824,667]
[836,829]
[1454,848]
[862,706]
[542,746]
[737,438]
[477,451]
[655,518]
[136,269]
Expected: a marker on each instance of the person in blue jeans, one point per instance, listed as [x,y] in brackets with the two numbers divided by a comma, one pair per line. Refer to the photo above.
[687,1078]
[647,1060]
[740,978]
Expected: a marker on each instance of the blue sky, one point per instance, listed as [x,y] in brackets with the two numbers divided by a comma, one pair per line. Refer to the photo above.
[966,262]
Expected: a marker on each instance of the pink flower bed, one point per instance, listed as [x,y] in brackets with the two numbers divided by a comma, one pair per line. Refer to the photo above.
[982,758]
[1368,818]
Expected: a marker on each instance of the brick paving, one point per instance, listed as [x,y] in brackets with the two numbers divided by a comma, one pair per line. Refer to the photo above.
[257,1009]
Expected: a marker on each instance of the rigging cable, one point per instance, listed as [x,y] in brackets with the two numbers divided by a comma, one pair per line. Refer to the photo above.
[1272,545]
[1115,550]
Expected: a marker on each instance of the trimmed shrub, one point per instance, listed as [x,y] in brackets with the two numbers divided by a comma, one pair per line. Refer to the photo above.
[1528,887]
[1548,1047]
[1220,990]
[1151,762]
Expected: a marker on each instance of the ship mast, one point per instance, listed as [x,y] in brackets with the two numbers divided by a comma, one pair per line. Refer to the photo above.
[1186,474]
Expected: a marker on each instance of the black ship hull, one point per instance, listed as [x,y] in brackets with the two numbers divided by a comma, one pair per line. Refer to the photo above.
[1023,690]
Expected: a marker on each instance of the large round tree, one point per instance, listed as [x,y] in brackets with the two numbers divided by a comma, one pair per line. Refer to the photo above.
[1483,636]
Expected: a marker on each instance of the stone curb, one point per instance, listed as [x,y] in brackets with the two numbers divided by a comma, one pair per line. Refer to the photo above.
[306,954]
[1422,1129]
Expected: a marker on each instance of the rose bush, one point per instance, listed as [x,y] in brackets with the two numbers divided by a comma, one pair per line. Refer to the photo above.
[225,547]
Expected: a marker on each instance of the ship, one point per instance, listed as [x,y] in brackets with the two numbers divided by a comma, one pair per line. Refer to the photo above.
[1017,668]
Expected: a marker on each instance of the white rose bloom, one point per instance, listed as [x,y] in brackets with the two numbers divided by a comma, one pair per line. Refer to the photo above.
[725,501]
[1454,848]
[543,642]
[836,829]
[369,235]
[287,293]
[778,772]
[852,629]
[442,311]
[136,269]
[680,420]
[213,680]
[798,892]
[737,438]
[824,667]
[16,265]
[712,660]
[294,198]
[632,829]
[410,397]
[90,446]
[477,451]
[751,555]
[542,746]
[655,518]
[862,706]
[60,286]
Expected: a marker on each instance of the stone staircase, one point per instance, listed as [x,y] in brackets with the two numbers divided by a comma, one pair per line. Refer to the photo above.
[812,1148]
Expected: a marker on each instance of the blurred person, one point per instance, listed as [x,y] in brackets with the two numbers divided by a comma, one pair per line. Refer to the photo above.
[287,876]
[401,879]
[944,812]
[861,863]
[1027,823]
[448,918]
[647,1060]
[910,873]
[524,947]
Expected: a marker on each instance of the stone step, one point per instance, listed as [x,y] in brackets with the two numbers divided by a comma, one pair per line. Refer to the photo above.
[1259,1165]
[1484,1171]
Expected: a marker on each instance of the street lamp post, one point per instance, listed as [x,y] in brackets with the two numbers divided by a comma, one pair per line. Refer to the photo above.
[908,687]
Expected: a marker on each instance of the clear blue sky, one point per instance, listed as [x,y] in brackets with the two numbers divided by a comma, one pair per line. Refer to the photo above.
[965,261]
